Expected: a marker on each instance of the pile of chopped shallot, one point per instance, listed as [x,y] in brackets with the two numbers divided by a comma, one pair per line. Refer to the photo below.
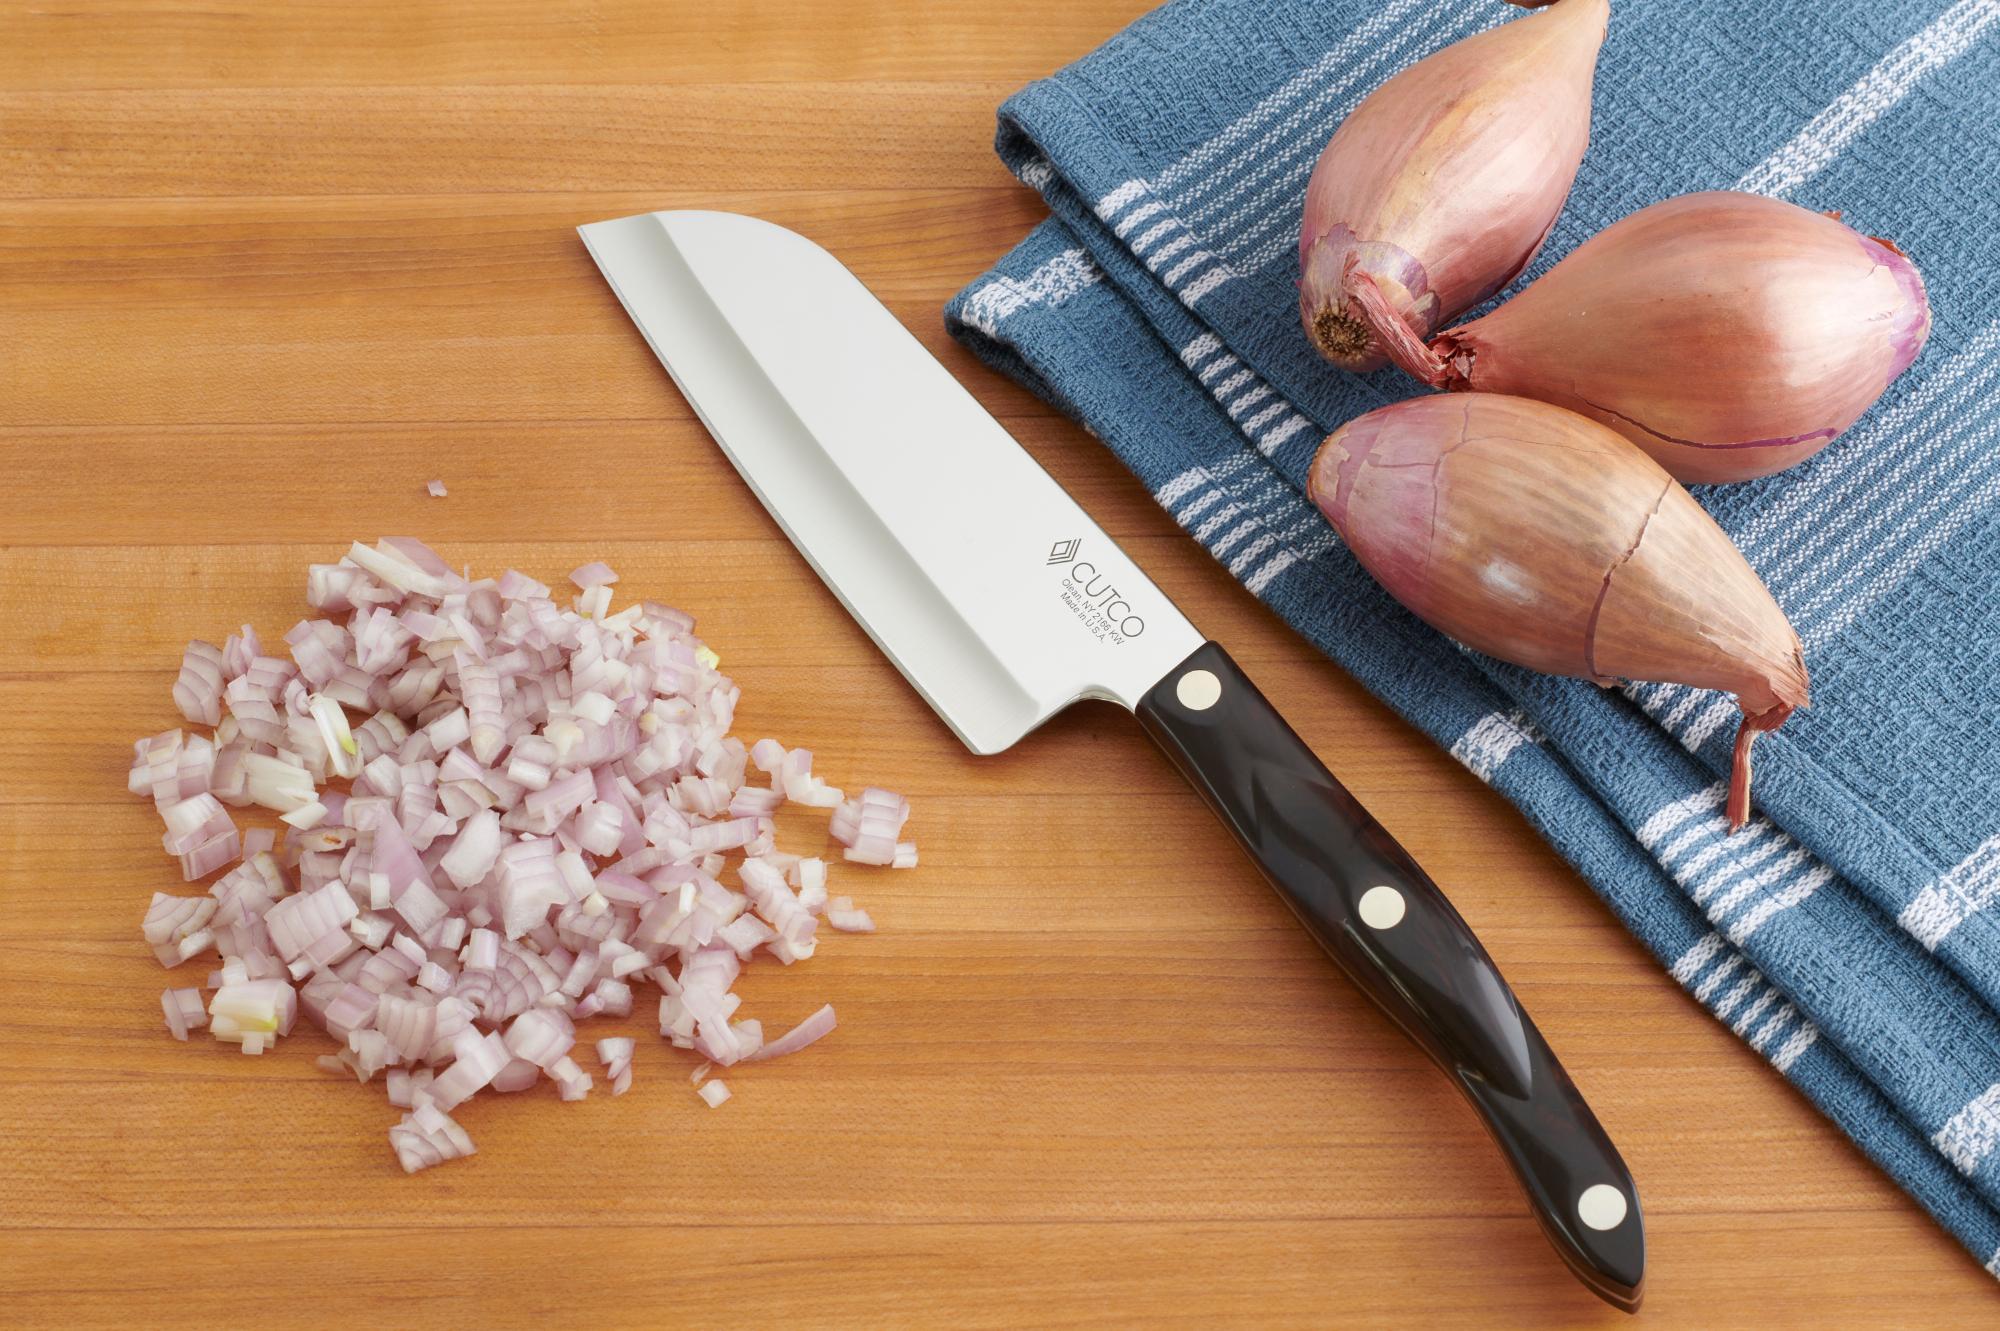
[542,802]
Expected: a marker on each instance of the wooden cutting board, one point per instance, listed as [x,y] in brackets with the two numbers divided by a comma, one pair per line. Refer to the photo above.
[266,269]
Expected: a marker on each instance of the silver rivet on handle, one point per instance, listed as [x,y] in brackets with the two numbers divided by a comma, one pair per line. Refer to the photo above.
[1601,1206]
[1198,690]
[1382,907]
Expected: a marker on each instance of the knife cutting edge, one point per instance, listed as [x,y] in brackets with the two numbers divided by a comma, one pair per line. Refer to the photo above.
[1001,602]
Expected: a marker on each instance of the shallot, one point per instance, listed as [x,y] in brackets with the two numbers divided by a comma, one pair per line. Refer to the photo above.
[1538,536]
[1729,335]
[1439,188]
[616,1055]
[541,805]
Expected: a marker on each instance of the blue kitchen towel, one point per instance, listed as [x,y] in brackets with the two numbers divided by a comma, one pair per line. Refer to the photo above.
[1851,934]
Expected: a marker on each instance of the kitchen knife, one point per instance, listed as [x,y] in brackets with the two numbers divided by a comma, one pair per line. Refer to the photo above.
[1002,603]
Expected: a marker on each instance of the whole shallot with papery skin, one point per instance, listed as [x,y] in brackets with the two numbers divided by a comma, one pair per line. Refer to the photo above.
[1729,335]
[1535,535]
[1441,185]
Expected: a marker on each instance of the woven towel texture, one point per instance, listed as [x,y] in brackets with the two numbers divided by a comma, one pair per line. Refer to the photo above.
[1852,933]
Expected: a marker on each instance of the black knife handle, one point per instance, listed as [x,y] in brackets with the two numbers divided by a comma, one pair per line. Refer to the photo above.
[1380,916]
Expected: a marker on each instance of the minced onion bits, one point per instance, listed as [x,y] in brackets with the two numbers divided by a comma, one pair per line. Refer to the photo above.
[504,815]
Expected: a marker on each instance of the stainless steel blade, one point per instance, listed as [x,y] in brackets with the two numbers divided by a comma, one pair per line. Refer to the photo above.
[985,583]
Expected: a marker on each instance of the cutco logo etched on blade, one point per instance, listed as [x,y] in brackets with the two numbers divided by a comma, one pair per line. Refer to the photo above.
[1092,596]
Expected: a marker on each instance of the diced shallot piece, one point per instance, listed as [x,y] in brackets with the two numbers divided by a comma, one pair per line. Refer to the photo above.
[797,1038]
[616,1055]
[842,914]
[198,690]
[476,1061]
[185,1011]
[252,1013]
[422,1140]
[868,824]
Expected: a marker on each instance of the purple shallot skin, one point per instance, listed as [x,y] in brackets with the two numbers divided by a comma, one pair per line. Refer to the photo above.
[1729,335]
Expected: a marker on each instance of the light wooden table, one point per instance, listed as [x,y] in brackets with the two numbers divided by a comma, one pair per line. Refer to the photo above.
[264,270]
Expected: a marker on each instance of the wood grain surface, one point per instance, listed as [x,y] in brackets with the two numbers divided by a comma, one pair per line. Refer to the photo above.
[267,268]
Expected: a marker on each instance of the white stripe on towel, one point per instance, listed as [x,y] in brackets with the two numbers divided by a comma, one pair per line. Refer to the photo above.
[1972,479]
[1968,507]
[1217,366]
[1366,38]
[1188,265]
[1250,554]
[1273,566]
[1269,443]
[1717,976]
[1168,251]
[1670,816]
[1291,147]
[1491,741]
[1938,456]
[1199,350]
[1795,859]
[1832,484]
[1955,896]
[1743,1023]
[1745,987]
[1690,962]
[1232,383]
[1712,829]
[1778,902]
[1138,215]
[1052,283]
[1768,1032]
[1241,530]
[1209,497]
[1264,222]
[1108,206]
[1802,1040]
[1711,720]
[1179,488]
[1737,855]
[1816,146]
[1715,830]
[1152,234]
[1208,282]
[1249,400]
[1265,417]
[1970,1135]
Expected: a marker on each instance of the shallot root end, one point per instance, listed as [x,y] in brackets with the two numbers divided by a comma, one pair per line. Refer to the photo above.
[1340,335]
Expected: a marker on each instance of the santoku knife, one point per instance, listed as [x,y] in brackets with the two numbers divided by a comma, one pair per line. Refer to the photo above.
[1003,603]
